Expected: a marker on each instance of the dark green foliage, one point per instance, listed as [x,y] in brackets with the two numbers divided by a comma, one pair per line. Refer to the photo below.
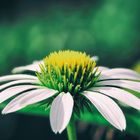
[109,29]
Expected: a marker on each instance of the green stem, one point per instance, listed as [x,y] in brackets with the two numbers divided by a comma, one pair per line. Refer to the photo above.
[71,131]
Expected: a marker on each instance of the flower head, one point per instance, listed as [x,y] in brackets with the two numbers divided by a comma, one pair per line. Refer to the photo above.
[68,71]
[67,81]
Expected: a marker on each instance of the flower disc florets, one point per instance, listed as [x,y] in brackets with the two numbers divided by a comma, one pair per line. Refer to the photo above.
[68,71]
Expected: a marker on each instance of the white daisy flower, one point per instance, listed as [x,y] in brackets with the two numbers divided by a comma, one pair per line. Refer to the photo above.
[71,80]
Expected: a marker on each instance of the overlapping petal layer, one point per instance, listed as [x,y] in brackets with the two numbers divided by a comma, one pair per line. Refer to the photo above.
[28,98]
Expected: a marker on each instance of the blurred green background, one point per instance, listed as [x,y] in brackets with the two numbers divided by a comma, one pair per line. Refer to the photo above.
[31,29]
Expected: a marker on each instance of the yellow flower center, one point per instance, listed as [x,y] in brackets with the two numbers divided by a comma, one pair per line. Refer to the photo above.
[69,58]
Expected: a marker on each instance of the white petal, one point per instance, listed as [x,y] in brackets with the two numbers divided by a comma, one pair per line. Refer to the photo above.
[104,77]
[95,58]
[32,67]
[121,83]
[28,98]
[101,68]
[12,91]
[16,104]
[118,76]
[17,77]
[108,108]
[61,111]
[31,98]
[18,82]
[120,95]
[121,71]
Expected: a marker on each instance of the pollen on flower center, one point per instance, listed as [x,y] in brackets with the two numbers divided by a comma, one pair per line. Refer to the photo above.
[69,58]
[68,71]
